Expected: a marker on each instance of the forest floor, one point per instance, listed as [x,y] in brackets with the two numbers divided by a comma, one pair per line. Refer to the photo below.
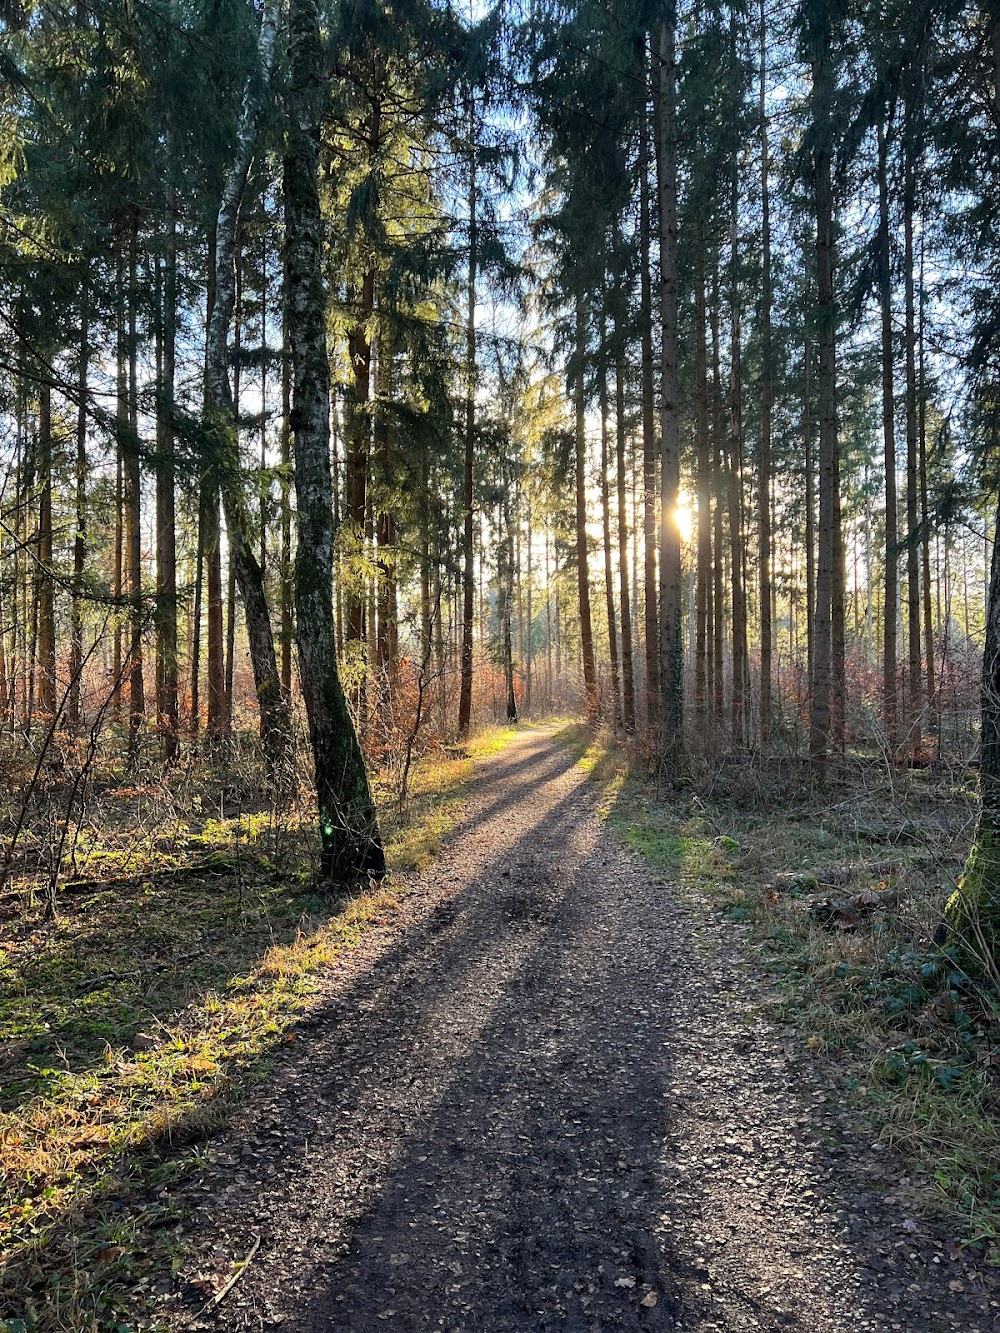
[188,937]
[555,1090]
[540,1082]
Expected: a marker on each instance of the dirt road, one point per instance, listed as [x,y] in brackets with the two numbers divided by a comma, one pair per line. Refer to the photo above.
[547,1098]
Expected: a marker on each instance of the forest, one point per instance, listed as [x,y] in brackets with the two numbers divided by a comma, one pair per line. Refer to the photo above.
[378,376]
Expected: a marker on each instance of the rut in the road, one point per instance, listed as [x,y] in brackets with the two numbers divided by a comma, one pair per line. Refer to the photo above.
[536,1102]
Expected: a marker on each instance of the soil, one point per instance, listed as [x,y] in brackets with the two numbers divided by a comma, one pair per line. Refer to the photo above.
[550,1093]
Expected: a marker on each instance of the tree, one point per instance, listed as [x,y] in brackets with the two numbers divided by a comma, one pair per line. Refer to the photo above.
[671,640]
[817,26]
[348,824]
[275,721]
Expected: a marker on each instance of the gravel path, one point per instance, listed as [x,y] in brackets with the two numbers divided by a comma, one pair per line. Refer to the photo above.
[545,1097]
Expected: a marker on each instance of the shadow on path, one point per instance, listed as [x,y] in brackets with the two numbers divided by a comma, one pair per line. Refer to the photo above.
[486,1130]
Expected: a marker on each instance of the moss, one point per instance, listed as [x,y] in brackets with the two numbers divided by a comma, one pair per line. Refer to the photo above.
[973,910]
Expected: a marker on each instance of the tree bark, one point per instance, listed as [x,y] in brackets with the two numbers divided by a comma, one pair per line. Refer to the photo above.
[468,545]
[44,584]
[196,617]
[121,427]
[766,395]
[820,712]
[914,673]
[810,503]
[529,638]
[582,562]
[387,639]
[671,747]
[505,579]
[73,706]
[211,525]
[210,528]
[889,700]
[627,667]
[287,589]
[351,846]
[166,527]
[357,429]
[275,717]
[609,583]
[703,576]
[930,680]
[133,517]
[649,443]
[718,493]
[973,910]
[735,459]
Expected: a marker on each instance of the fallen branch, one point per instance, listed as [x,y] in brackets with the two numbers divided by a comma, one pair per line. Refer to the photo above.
[224,1291]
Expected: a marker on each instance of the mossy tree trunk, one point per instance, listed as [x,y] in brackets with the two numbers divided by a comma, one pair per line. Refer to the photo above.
[973,911]
[351,846]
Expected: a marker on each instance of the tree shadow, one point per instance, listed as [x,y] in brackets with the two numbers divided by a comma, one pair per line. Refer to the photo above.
[131,954]
[515,1061]
[121,960]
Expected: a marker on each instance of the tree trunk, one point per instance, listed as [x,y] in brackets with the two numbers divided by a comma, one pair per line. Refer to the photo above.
[649,443]
[505,579]
[973,910]
[929,669]
[820,712]
[275,718]
[838,635]
[582,563]
[350,841]
[468,547]
[230,647]
[133,517]
[387,641]
[215,716]
[73,707]
[609,583]
[210,525]
[166,527]
[735,466]
[810,502]
[287,590]
[44,584]
[915,702]
[766,394]
[889,701]
[357,427]
[703,574]
[671,746]
[427,617]
[718,493]
[121,426]
[628,670]
[195,630]
[529,644]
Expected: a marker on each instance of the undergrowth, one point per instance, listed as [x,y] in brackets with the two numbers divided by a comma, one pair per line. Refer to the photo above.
[907,1036]
[134,1022]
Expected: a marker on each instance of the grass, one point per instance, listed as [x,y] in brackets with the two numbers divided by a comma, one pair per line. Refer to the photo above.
[907,1037]
[134,1022]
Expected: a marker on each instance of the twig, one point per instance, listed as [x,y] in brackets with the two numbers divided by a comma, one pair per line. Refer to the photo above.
[224,1291]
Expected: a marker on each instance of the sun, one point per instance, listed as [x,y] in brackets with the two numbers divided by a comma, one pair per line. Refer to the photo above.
[684,517]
